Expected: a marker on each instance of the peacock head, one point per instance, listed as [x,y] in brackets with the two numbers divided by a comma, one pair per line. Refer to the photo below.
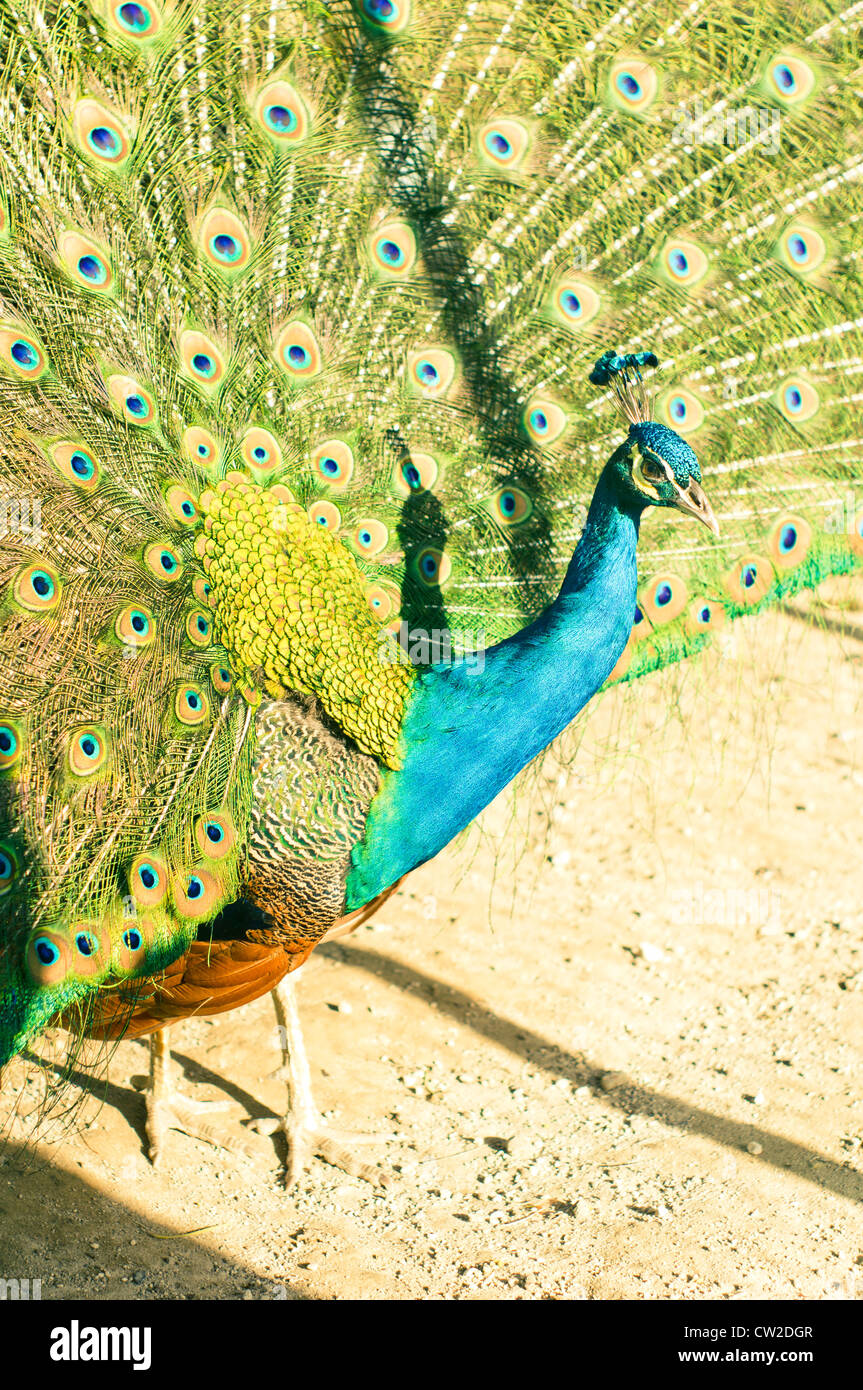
[664,471]
[656,467]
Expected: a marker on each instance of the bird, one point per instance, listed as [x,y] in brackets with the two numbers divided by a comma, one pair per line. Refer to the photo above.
[357,362]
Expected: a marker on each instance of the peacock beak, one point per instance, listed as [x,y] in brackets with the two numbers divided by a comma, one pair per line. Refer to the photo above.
[693,501]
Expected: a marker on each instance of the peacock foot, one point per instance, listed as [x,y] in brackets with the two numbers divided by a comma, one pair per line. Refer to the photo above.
[167,1109]
[308,1135]
[302,1124]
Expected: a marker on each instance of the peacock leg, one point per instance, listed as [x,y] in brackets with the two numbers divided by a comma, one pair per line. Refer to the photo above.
[302,1124]
[167,1109]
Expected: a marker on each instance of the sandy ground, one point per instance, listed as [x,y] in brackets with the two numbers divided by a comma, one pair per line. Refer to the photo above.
[616,1035]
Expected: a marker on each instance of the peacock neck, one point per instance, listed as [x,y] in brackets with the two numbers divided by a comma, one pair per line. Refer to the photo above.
[469,731]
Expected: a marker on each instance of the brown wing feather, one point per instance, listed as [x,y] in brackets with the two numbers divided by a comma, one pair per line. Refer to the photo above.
[213,977]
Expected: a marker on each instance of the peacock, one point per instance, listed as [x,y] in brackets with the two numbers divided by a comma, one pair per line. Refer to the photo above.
[346,349]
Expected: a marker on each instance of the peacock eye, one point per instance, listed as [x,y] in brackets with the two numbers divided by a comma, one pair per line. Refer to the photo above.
[653,470]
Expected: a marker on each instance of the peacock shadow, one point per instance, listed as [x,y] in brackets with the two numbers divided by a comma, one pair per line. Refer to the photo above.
[493,402]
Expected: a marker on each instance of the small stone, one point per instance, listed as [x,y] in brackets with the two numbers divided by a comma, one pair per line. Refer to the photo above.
[754,1148]
[612,1080]
[139,1276]
[650,952]
[523,1147]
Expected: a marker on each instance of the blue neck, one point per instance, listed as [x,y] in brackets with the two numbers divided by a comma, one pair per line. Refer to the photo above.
[468,731]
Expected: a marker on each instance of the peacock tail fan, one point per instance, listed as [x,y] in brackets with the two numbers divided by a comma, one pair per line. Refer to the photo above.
[298,306]
[591,175]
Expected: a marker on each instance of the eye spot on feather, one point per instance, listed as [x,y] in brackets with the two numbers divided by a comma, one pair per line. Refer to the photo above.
[381,601]
[633,85]
[76,464]
[574,303]
[215,835]
[222,679]
[326,515]
[664,599]
[100,134]
[135,626]
[432,567]
[201,447]
[680,410]
[199,628]
[393,250]
[182,505]
[297,351]
[684,262]
[503,144]
[261,450]
[511,506]
[224,241]
[191,706]
[197,894]
[88,751]
[432,371]
[10,745]
[47,958]
[37,588]
[22,353]
[89,955]
[148,879]
[333,464]
[802,249]
[750,579]
[9,867]
[131,949]
[201,360]
[703,615]
[86,262]
[389,15]
[544,421]
[136,19]
[415,473]
[282,113]
[797,400]
[131,400]
[790,541]
[369,538]
[790,79]
[163,561]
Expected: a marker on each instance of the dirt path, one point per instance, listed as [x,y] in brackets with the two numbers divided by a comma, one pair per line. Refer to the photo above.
[638,1076]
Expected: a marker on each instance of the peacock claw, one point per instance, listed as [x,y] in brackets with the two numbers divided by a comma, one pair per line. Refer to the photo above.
[309,1136]
[185,1115]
